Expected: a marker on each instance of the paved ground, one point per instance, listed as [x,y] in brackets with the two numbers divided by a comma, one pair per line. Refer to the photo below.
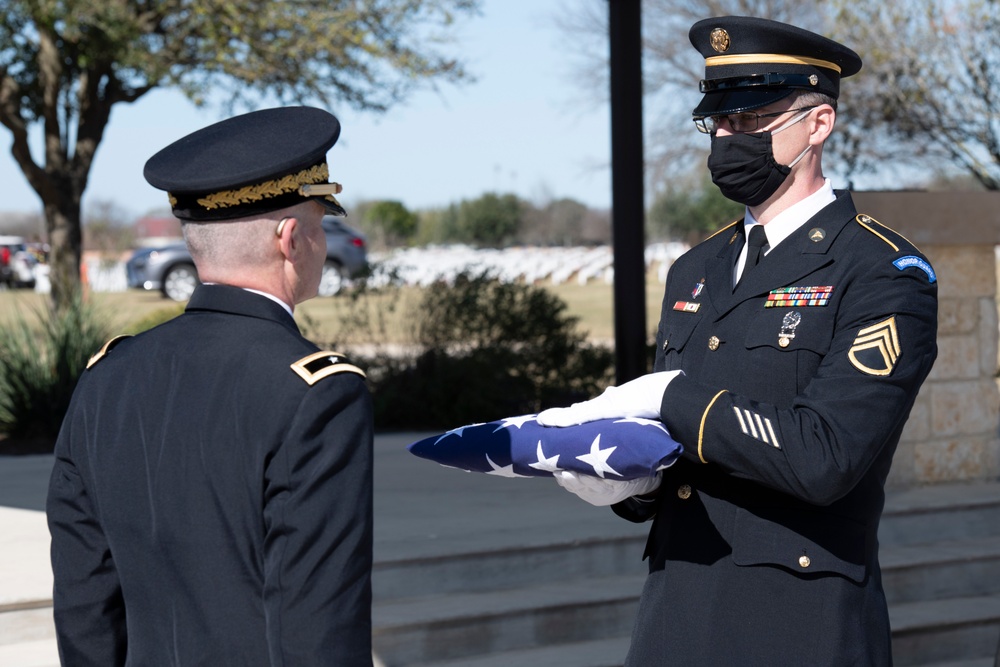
[421,509]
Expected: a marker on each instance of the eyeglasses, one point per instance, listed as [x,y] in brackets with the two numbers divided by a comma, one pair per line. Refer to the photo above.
[747,121]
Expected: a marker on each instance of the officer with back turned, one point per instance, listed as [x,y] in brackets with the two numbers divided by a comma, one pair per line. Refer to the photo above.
[211,500]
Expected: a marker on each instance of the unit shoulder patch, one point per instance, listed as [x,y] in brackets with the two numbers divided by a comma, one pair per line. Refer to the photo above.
[107,348]
[876,349]
[323,364]
[912,261]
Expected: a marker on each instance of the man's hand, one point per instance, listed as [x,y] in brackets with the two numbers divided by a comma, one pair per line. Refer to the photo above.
[640,397]
[604,492]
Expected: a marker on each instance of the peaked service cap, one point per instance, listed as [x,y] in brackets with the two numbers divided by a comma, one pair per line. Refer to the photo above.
[751,62]
[249,164]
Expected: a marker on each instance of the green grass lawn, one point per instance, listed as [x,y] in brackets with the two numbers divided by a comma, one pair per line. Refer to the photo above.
[324,319]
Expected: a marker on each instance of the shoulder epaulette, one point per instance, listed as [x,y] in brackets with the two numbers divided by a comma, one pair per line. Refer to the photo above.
[871,223]
[319,365]
[729,226]
[107,348]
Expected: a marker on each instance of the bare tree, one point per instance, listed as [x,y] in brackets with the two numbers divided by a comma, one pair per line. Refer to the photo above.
[929,93]
[926,104]
[671,67]
[64,65]
[107,228]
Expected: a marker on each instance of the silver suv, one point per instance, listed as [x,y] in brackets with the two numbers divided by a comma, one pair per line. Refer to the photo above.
[169,268]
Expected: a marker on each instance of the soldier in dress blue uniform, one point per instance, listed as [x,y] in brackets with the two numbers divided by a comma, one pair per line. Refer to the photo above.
[211,500]
[790,350]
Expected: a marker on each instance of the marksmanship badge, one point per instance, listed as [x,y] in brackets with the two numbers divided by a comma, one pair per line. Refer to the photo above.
[788,325]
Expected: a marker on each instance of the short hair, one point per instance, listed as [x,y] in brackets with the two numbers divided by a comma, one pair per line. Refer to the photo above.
[810,98]
[231,244]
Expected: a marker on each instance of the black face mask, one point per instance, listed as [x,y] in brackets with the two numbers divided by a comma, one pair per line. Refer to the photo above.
[743,165]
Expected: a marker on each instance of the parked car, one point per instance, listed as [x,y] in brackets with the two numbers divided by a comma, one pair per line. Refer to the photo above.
[170,269]
[17,262]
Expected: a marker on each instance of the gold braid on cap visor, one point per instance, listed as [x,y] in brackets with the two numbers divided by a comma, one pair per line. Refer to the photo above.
[769,58]
[299,182]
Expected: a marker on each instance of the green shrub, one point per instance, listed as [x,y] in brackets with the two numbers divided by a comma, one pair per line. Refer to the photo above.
[40,363]
[486,350]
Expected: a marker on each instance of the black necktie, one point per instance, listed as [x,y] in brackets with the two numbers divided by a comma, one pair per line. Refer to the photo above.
[755,245]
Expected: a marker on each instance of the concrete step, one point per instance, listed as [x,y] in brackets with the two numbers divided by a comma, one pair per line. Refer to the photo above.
[958,568]
[466,625]
[978,662]
[965,512]
[599,653]
[940,513]
[39,653]
[28,635]
[510,567]
[26,622]
[927,632]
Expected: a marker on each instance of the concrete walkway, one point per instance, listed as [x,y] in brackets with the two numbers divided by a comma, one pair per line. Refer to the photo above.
[421,510]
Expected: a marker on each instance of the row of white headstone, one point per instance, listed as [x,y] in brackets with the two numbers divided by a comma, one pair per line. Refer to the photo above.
[556,265]
[426,265]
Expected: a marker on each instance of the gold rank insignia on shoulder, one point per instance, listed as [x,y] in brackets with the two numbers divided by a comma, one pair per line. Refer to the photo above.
[319,365]
[876,348]
[107,348]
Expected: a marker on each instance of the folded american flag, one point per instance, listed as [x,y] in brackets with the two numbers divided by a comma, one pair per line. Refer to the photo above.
[520,447]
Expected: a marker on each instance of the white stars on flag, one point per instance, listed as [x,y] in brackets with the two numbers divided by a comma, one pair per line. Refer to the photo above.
[501,471]
[643,422]
[521,447]
[547,464]
[456,431]
[515,421]
[598,458]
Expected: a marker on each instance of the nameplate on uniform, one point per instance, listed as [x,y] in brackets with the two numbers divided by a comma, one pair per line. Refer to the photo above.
[687,306]
[799,297]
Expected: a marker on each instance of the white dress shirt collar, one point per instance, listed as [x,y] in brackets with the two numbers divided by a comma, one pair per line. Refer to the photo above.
[794,216]
[785,222]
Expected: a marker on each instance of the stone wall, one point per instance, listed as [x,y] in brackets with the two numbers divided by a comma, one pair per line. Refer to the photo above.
[952,434]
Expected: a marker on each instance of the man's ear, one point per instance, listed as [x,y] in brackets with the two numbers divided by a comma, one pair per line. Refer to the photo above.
[287,237]
[825,119]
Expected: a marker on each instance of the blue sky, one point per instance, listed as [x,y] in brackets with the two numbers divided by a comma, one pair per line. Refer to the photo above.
[521,127]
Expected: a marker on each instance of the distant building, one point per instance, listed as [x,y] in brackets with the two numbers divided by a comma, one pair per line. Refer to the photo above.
[154,229]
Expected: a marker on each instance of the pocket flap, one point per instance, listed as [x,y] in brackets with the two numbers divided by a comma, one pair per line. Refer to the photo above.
[803,542]
[789,329]
[677,330]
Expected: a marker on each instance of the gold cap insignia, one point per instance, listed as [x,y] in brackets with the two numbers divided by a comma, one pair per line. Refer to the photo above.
[876,348]
[813,80]
[720,40]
